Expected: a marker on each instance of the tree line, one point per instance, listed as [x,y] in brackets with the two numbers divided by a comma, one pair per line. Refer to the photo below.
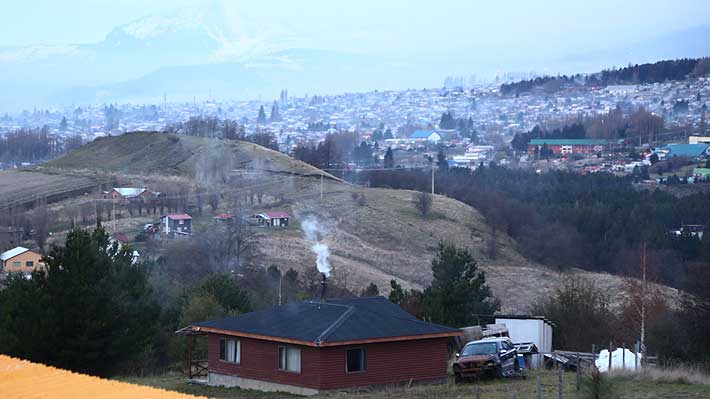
[612,125]
[35,144]
[213,127]
[657,72]
[564,219]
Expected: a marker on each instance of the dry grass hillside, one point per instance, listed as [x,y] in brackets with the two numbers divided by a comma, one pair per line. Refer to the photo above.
[374,235]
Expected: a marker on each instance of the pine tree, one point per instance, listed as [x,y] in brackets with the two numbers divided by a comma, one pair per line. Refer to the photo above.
[275,114]
[389,158]
[63,124]
[458,292]
[441,161]
[261,119]
[90,311]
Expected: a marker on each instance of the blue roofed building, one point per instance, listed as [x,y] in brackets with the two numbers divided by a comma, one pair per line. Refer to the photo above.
[425,135]
[685,150]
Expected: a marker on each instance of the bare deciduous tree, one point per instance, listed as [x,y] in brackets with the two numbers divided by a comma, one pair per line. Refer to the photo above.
[40,223]
[232,242]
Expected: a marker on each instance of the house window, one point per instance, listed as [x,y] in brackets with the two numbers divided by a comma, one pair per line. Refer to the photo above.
[181,221]
[230,350]
[29,263]
[355,360]
[16,264]
[290,359]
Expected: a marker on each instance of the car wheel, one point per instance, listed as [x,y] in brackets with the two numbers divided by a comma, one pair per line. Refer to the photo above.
[499,372]
[457,374]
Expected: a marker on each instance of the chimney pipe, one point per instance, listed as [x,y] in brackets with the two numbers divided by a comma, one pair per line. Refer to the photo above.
[323,286]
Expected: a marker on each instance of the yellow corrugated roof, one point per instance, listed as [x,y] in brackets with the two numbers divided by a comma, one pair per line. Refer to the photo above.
[24,379]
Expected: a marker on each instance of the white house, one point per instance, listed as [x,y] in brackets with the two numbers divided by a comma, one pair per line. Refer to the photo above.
[530,329]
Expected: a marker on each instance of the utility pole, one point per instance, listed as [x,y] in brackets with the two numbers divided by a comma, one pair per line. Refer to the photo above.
[281,279]
[642,346]
[432,176]
[321,185]
[114,216]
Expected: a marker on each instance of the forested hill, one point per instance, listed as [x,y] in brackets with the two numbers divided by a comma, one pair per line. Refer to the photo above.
[657,72]
[597,222]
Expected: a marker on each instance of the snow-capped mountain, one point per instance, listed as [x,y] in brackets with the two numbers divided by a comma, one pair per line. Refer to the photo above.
[204,51]
[128,52]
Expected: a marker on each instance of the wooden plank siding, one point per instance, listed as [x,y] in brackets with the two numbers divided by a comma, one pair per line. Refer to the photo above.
[324,368]
[260,361]
[386,363]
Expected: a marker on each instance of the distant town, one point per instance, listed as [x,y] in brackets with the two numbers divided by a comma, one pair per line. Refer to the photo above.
[470,125]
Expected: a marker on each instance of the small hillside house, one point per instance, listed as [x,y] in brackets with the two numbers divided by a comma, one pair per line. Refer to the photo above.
[124,195]
[273,219]
[176,224]
[309,347]
[20,260]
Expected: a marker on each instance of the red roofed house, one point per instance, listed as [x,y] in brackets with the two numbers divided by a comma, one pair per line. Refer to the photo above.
[224,218]
[273,219]
[177,224]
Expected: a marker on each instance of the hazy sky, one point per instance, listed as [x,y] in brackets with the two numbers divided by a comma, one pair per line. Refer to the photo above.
[376,26]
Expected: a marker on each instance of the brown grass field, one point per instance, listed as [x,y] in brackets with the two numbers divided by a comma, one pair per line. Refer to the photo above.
[375,240]
[623,386]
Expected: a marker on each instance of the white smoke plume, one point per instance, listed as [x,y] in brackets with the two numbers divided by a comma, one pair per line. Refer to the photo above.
[314,231]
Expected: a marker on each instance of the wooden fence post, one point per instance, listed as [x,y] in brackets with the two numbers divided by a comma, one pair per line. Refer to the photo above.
[559,383]
[609,369]
[579,371]
[636,356]
[623,356]
[538,391]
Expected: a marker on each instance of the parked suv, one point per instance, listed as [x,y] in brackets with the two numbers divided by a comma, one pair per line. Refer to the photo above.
[494,357]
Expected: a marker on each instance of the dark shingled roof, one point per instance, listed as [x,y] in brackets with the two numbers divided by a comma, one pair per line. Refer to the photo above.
[331,321]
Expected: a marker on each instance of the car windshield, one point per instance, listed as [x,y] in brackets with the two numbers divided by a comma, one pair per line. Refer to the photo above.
[488,348]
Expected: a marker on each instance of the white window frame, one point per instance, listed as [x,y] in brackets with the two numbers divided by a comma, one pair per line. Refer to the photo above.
[290,359]
[230,356]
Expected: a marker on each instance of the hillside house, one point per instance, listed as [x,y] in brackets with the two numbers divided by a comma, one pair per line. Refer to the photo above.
[272,219]
[693,230]
[20,260]
[309,347]
[224,218]
[568,146]
[124,195]
[176,224]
